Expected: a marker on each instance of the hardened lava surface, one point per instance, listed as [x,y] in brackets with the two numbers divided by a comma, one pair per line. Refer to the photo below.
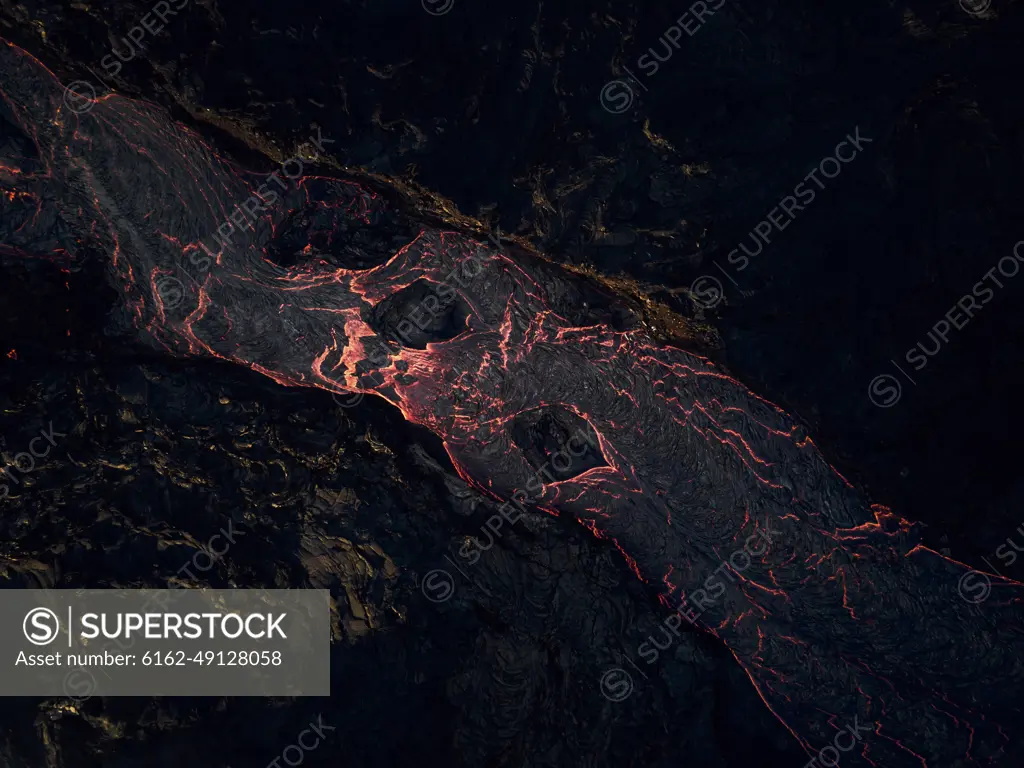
[845,618]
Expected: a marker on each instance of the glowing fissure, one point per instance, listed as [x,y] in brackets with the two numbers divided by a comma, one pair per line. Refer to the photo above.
[844,616]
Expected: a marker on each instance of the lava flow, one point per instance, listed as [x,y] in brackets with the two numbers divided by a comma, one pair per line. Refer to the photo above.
[844,620]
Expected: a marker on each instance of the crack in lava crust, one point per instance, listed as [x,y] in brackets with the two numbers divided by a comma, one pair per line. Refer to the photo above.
[844,616]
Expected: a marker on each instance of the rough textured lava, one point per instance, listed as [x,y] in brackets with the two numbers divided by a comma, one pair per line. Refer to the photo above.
[841,620]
